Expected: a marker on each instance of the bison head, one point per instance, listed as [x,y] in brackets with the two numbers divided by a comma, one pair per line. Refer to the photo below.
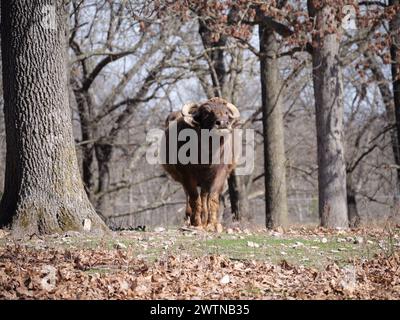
[215,113]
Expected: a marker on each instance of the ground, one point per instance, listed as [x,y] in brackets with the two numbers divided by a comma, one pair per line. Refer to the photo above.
[303,263]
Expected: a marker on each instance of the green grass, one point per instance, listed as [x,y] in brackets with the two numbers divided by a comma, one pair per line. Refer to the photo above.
[311,253]
[151,246]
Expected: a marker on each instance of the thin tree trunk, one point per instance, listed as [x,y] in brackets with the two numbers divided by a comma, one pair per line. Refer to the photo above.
[215,57]
[394,28]
[354,217]
[103,155]
[43,189]
[83,102]
[274,149]
[238,196]
[328,93]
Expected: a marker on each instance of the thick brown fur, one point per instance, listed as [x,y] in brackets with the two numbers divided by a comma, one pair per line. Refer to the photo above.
[202,208]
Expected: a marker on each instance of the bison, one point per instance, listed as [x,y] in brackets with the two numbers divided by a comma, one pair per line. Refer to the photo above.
[220,117]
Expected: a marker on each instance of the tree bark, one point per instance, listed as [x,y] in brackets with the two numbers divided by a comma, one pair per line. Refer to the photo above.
[328,93]
[43,189]
[274,149]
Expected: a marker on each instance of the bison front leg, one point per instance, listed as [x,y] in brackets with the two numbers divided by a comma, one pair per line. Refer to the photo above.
[213,206]
[213,201]
[188,210]
[204,208]
[190,187]
[195,204]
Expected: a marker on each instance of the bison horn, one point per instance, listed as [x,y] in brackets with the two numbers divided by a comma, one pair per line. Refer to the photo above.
[234,112]
[187,112]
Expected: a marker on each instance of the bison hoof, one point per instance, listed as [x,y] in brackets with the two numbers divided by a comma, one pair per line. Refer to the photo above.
[196,221]
[187,222]
[219,228]
[216,227]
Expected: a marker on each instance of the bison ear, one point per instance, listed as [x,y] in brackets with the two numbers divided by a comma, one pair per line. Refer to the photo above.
[188,111]
[173,116]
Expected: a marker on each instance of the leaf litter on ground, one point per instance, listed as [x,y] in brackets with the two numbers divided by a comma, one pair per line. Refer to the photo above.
[49,268]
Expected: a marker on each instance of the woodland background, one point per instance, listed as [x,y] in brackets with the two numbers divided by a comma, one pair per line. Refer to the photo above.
[132,62]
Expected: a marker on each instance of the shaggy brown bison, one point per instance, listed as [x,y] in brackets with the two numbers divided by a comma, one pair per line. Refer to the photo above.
[215,116]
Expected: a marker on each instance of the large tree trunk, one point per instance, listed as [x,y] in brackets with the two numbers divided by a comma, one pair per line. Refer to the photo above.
[394,27]
[328,93]
[43,189]
[274,149]
[236,186]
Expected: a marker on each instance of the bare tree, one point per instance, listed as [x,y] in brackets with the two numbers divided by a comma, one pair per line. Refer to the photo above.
[328,92]
[274,152]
